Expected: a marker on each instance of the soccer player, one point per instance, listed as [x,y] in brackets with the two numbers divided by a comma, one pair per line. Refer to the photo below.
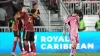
[16,27]
[36,13]
[73,22]
[28,34]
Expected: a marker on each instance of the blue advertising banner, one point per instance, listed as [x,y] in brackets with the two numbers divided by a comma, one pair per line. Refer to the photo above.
[52,42]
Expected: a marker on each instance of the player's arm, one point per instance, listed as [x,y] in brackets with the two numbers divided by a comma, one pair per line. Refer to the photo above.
[66,21]
[22,18]
[36,14]
[64,26]
[22,21]
[15,17]
[30,19]
[23,24]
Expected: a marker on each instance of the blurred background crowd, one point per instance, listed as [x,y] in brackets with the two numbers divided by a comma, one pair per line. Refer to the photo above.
[8,8]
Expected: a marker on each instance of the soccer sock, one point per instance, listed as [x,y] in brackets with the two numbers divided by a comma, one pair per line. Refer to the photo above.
[20,45]
[72,51]
[27,48]
[14,46]
[24,48]
[33,47]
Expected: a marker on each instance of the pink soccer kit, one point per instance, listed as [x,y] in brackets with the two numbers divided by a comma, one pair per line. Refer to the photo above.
[73,27]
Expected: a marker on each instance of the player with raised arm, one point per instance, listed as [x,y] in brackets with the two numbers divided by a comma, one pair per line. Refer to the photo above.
[28,34]
[16,27]
[73,22]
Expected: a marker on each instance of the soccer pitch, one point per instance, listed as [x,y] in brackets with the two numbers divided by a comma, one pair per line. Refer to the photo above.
[61,54]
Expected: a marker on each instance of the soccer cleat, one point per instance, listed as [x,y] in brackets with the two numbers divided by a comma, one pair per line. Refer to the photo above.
[13,54]
[34,54]
[24,53]
[72,55]
[27,54]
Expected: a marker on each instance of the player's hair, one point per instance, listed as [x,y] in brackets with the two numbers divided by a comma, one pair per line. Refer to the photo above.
[24,9]
[34,4]
[16,15]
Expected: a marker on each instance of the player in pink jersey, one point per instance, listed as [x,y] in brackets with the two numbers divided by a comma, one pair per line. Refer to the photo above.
[73,22]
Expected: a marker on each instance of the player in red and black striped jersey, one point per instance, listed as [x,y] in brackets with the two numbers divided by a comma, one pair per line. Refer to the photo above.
[28,34]
[16,27]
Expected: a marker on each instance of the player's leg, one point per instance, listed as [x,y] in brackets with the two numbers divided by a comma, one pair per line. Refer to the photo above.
[77,41]
[33,47]
[24,38]
[14,43]
[73,46]
[19,41]
[26,45]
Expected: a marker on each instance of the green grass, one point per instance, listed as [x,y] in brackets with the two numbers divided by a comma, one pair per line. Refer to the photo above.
[61,54]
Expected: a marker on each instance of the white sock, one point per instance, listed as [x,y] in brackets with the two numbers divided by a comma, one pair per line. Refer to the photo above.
[71,54]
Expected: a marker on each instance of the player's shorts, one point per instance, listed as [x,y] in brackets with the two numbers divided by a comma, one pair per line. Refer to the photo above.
[74,37]
[28,36]
[17,34]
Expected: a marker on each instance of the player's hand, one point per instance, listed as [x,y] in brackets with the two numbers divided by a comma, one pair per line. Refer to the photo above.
[64,33]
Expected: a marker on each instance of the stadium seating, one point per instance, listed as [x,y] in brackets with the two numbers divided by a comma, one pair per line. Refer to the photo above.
[58,12]
[88,8]
[51,5]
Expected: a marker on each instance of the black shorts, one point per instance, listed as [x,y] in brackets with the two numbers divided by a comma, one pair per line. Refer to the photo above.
[28,36]
[17,33]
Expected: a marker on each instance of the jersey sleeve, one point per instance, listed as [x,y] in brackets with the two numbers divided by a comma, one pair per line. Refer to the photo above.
[67,20]
[22,15]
